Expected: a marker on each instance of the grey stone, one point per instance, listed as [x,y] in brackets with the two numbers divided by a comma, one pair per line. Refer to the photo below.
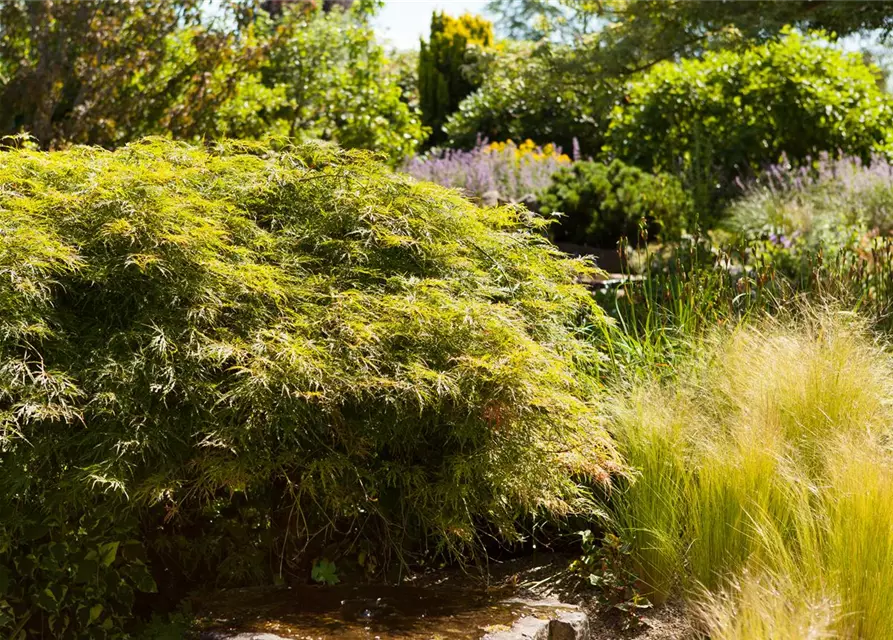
[570,625]
[526,628]
[490,198]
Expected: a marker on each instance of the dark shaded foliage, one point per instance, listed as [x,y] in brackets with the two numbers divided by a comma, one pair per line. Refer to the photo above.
[600,204]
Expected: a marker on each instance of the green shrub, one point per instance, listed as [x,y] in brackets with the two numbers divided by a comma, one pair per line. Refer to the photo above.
[730,113]
[224,354]
[521,98]
[602,203]
[167,69]
[403,66]
[443,80]
[346,93]
[96,72]
[230,100]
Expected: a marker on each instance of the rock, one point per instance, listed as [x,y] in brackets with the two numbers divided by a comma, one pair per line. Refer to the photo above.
[490,198]
[526,628]
[570,625]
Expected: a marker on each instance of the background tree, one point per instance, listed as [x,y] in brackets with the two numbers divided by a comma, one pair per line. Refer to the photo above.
[519,98]
[443,80]
[618,38]
[330,79]
[563,20]
[275,8]
[99,72]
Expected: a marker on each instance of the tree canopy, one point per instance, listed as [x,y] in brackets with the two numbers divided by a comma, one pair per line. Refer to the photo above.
[103,72]
[619,37]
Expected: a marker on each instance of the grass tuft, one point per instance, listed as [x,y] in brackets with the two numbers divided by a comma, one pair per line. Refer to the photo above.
[762,477]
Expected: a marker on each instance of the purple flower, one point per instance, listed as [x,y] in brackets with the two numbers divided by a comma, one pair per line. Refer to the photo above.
[502,169]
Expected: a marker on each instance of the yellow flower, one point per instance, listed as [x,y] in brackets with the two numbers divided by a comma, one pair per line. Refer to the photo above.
[528,151]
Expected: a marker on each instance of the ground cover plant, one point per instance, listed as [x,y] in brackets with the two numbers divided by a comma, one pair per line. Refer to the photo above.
[832,216]
[217,360]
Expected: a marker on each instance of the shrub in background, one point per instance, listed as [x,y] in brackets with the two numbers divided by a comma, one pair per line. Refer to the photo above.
[216,354]
[602,203]
[491,171]
[520,97]
[731,113]
[104,73]
[817,206]
[336,83]
[231,98]
[168,68]
[404,67]
[443,80]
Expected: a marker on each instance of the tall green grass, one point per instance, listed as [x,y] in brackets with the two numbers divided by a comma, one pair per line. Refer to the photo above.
[859,551]
[676,294]
[651,436]
[764,480]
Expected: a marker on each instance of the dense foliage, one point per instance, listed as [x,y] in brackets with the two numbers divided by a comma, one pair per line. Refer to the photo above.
[730,113]
[244,362]
[218,360]
[599,204]
[837,212]
[442,76]
[520,98]
[404,67]
[101,73]
[614,39]
[314,88]
[106,73]
[771,488]
[817,206]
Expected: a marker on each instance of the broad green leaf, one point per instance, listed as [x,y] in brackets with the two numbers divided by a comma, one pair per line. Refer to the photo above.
[108,552]
[95,612]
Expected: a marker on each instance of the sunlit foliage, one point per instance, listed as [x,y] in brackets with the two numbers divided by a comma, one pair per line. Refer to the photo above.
[228,353]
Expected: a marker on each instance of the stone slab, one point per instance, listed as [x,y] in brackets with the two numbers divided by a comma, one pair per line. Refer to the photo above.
[570,624]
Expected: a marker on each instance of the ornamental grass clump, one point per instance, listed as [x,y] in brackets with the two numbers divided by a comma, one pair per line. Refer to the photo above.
[218,360]
[761,480]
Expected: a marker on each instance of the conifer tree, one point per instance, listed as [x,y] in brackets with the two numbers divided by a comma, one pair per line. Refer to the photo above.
[443,82]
